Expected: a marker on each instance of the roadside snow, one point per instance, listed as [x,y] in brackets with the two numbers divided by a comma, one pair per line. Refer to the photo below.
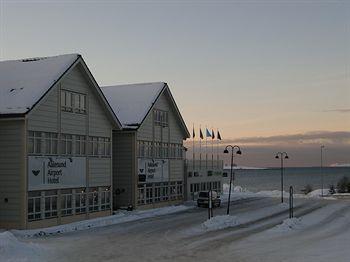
[289,224]
[119,217]
[220,222]
[11,249]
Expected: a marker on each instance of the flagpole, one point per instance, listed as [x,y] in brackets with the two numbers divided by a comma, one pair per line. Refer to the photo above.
[194,156]
[212,148]
[200,148]
[217,149]
[206,148]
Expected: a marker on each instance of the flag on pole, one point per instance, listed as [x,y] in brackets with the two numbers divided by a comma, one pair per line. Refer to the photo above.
[212,134]
[219,136]
[193,133]
[200,133]
[208,133]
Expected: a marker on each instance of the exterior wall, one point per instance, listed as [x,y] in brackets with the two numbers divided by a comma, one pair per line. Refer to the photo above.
[124,175]
[48,116]
[12,170]
[202,178]
[172,133]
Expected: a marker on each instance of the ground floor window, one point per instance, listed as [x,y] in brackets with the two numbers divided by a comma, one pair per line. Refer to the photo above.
[66,202]
[34,205]
[149,193]
[53,203]
[105,198]
[93,200]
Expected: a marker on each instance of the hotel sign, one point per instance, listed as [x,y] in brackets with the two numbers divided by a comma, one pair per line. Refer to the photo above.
[156,170]
[56,172]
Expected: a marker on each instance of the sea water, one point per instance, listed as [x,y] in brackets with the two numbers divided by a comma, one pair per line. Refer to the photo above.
[270,179]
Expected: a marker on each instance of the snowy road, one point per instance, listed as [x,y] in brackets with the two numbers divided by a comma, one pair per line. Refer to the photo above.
[321,232]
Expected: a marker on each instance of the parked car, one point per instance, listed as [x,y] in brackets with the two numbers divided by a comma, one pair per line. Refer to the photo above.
[203,199]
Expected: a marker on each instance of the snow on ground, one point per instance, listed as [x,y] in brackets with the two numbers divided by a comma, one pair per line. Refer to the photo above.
[11,249]
[117,218]
[220,222]
[289,224]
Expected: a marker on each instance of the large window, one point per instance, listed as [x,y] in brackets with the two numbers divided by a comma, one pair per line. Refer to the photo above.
[160,118]
[51,143]
[93,200]
[105,198]
[50,203]
[80,201]
[99,146]
[144,148]
[66,202]
[73,102]
[34,205]
[157,192]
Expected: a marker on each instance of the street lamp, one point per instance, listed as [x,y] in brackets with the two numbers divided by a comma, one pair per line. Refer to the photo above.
[322,147]
[282,156]
[238,152]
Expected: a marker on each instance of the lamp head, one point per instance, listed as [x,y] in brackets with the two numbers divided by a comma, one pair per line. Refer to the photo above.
[277,157]
[286,157]
[225,151]
[239,152]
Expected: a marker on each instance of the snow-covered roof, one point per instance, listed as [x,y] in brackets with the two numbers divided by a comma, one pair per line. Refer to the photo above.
[24,82]
[132,102]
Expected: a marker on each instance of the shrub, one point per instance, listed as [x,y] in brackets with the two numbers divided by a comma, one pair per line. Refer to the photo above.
[307,189]
[331,189]
[343,185]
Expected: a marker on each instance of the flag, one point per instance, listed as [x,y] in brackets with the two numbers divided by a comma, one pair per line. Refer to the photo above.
[200,133]
[212,134]
[219,137]
[193,133]
[208,133]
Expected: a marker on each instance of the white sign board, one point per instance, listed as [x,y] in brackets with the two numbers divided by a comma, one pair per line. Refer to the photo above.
[56,172]
[156,170]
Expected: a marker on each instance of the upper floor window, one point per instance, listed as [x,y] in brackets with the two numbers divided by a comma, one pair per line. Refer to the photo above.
[73,102]
[160,117]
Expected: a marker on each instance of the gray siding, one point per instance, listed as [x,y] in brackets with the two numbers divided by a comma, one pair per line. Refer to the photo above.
[44,116]
[124,169]
[100,170]
[176,169]
[12,182]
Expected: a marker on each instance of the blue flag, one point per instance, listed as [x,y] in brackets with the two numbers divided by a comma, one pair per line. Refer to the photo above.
[208,133]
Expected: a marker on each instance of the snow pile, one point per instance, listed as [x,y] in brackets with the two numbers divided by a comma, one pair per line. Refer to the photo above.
[289,224]
[11,249]
[117,218]
[220,222]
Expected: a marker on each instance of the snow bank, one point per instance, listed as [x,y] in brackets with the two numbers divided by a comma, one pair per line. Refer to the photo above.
[220,222]
[289,224]
[117,218]
[11,249]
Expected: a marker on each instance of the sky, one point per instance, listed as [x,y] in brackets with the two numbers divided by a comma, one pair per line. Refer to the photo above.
[270,75]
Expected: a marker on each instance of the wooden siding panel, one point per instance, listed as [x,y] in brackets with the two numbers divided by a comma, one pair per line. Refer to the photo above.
[123,168]
[176,170]
[100,172]
[12,173]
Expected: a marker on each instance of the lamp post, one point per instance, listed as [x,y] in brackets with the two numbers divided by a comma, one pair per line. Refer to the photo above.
[282,156]
[322,178]
[238,152]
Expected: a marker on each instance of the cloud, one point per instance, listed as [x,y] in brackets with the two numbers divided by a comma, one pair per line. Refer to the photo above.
[309,138]
[342,110]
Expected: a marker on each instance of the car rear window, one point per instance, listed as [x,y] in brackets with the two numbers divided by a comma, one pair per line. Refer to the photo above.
[203,194]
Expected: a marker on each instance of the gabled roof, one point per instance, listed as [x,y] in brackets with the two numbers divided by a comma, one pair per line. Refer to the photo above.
[132,102]
[23,83]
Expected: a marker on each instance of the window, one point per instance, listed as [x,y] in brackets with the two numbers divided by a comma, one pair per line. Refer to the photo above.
[93,200]
[66,202]
[34,205]
[157,150]
[50,203]
[160,118]
[80,142]
[50,143]
[105,198]
[73,102]
[80,201]
[99,146]
[66,144]
[144,148]
[35,142]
